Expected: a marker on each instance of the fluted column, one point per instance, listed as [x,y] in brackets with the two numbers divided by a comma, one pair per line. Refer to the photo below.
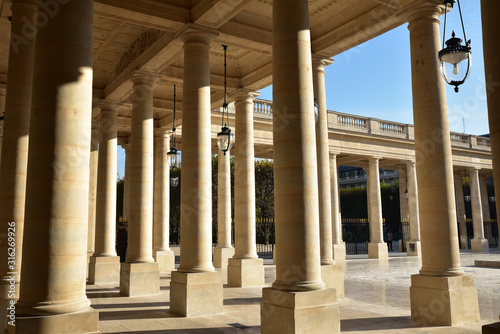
[338,244]
[126,182]
[377,248]
[196,188]
[245,268]
[14,148]
[94,142]
[483,185]
[52,291]
[414,246]
[224,249]
[438,228]
[140,222]
[490,27]
[162,253]
[298,265]
[104,264]
[479,243]
[459,197]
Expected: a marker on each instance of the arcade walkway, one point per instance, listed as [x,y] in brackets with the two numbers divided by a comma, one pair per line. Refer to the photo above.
[377,300]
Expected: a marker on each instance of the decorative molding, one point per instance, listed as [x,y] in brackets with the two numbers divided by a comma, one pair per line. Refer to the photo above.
[326,6]
[136,49]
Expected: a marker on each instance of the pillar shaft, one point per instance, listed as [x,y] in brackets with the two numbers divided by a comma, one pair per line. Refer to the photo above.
[295,161]
[161,214]
[94,142]
[483,185]
[55,243]
[244,179]
[224,201]
[334,186]
[140,222]
[477,209]
[126,182]
[440,254]
[413,201]
[105,235]
[375,202]
[491,25]
[196,187]
[14,149]
[324,191]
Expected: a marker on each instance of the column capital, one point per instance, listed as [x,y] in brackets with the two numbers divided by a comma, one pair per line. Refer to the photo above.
[320,62]
[374,159]
[162,132]
[430,10]
[333,155]
[244,94]
[193,33]
[144,78]
[109,105]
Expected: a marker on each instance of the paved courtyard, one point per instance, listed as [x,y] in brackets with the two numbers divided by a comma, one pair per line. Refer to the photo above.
[377,301]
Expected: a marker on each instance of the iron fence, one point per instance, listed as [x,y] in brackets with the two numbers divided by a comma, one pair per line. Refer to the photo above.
[356,235]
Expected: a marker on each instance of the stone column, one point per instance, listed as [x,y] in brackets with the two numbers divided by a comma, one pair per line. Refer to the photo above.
[139,275]
[297,302]
[245,268]
[94,141]
[338,244]
[479,243]
[459,198]
[2,110]
[491,25]
[441,274]
[196,288]
[403,186]
[224,249]
[52,292]
[126,181]
[162,253]
[377,248]
[104,264]
[14,148]
[331,273]
[414,247]
[483,185]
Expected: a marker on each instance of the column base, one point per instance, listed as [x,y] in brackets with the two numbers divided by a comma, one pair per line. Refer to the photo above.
[194,294]
[413,248]
[339,252]
[333,276]
[443,301]
[299,312]
[139,279]
[104,270]
[480,245]
[165,260]
[221,255]
[85,322]
[377,250]
[245,272]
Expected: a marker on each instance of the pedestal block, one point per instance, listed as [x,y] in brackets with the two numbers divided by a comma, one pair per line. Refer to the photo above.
[445,301]
[333,276]
[245,272]
[194,294]
[339,252]
[377,250]
[165,260]
[480,245]
[139,279]
[85,322]
[104,270]
[413,248]
[299,312]
[221,256]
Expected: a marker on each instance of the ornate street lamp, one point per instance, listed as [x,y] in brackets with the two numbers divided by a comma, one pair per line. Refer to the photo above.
[174,156]
[454,53]
[225,138]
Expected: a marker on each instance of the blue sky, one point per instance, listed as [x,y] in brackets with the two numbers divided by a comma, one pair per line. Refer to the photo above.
[374,79]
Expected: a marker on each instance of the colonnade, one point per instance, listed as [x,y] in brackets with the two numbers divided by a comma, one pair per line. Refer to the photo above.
[59,194]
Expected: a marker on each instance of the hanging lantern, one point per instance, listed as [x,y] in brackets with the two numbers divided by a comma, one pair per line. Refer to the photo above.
[174,156]
[225,138]
[455,53]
